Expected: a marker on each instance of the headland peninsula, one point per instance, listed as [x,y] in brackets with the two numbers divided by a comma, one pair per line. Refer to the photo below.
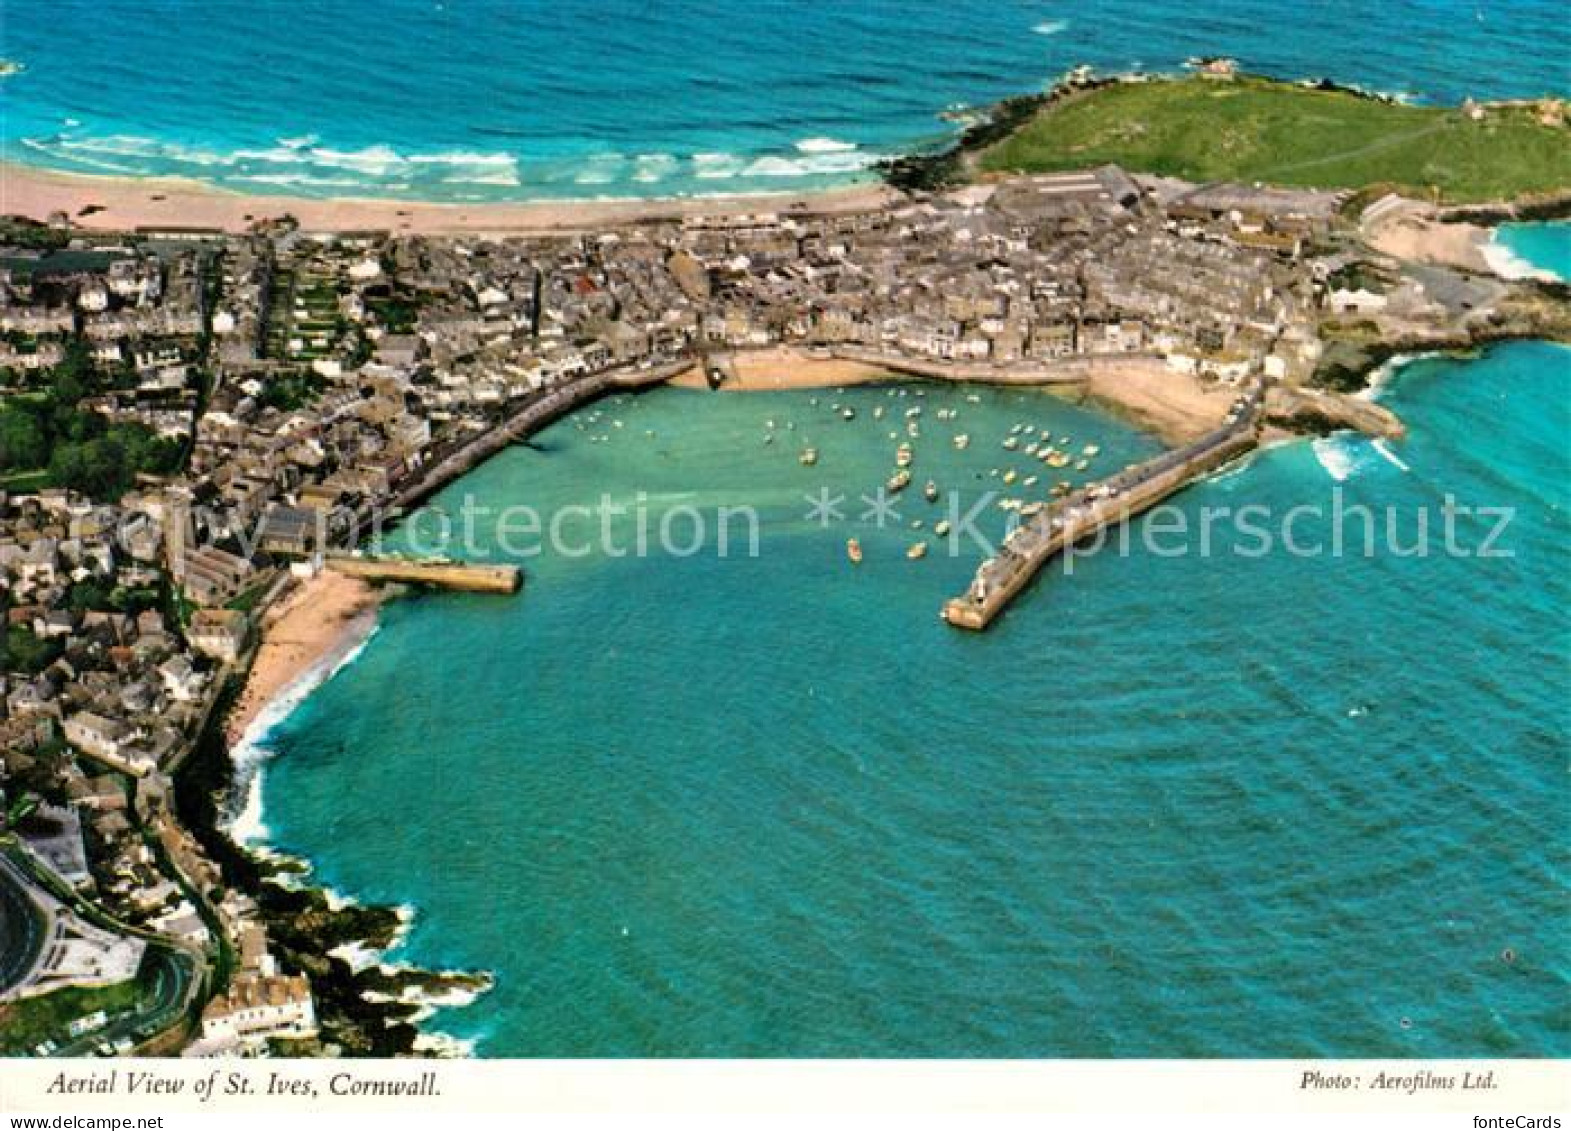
[205,395]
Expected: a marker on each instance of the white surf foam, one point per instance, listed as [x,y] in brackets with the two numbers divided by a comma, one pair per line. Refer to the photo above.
[1391,457]
[652,167]
[246,826]
[717,166]
[1339,455]
[1506,263]
[824,145]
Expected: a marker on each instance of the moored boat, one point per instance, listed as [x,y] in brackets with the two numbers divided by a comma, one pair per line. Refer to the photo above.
[853,549]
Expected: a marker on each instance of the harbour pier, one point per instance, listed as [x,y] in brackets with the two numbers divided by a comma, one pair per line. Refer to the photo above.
[535,411]
[1095,506]
[465,577]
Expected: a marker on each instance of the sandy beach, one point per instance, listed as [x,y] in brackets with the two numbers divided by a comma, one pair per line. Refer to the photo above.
[1413,235]
[785,367]
[297,634]
[120,204]
[1175,406]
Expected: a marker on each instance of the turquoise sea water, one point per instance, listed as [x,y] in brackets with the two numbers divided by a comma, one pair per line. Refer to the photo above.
[1171,805]
[1544,247]
[492,99]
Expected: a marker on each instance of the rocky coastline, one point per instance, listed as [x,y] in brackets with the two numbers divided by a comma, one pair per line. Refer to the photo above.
[366,1007]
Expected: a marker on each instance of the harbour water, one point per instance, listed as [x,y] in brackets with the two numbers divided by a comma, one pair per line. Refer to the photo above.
[1176,804]
[507,99]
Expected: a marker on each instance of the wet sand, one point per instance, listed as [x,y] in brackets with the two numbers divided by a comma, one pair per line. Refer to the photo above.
[1175,406]
[314,620]
[785,367]
[125,203]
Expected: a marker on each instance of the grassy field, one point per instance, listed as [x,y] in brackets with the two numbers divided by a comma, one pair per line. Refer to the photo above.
[26,1024]
[24,482]
[1250,129]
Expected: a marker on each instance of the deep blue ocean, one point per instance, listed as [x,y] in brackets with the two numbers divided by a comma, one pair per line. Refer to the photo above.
[494,99]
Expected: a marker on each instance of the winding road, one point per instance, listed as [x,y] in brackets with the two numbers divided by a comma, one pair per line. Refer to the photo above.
[22,927]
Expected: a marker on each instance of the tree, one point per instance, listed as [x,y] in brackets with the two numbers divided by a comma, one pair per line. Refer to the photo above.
[24,439]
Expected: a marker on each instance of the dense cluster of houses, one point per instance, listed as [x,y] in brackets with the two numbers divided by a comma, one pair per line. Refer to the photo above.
[313,377]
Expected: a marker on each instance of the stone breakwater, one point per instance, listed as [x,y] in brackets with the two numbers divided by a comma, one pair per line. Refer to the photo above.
[1083,513]
[461,576]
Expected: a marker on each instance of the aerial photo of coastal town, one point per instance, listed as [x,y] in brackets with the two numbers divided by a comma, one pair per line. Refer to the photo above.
[1018,530]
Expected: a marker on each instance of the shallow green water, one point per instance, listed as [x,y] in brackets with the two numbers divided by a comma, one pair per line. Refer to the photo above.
[1169,806]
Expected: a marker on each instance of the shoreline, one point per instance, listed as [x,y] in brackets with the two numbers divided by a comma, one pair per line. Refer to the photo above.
[1136,390]
[322,619]
[118,204]
[378,1002]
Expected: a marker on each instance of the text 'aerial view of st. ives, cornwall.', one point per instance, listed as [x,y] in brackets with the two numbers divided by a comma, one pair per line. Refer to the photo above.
[901,529]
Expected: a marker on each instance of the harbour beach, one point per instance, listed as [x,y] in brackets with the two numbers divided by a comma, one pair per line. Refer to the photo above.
[322,617]
[1175,406]
[785,367]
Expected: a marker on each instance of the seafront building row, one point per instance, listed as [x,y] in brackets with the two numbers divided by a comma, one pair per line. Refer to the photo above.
[283,385]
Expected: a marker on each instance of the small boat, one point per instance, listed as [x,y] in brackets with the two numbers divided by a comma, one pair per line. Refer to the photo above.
[917,550]
[878,412]
[1011,443]
[1009,476]
[1090,450]
[899,481]
[962,441]
[941,528]
[1032,450]
[848,414]
[1081,465]
[930,491]
[903,456]
[808,457]
[1029,481]
[853,549]
[1057,459]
